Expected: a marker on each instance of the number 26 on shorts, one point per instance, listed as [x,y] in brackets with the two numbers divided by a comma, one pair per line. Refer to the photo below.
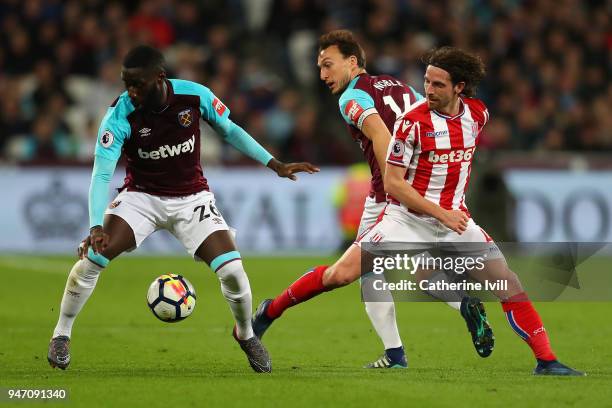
[206,210]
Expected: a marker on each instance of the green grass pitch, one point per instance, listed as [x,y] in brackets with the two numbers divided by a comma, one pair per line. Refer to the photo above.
[123,356]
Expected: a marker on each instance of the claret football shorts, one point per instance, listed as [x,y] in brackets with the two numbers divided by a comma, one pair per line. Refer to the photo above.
[191,219]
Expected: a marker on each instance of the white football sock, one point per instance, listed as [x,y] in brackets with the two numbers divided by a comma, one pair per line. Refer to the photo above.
[382,316]
[237,291]
[454,305]
[450,297]
[81,283]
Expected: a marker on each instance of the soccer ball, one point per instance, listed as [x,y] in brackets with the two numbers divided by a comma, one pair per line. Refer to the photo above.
[171,298]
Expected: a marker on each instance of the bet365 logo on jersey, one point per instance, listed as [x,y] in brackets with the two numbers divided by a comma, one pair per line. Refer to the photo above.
[451,156]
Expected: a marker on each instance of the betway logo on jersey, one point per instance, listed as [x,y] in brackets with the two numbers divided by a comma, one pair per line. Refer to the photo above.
[382,84]
[451,156]
[169,151]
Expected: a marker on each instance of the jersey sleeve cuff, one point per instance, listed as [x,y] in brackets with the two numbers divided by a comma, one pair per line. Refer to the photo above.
[364,115]
[397,164]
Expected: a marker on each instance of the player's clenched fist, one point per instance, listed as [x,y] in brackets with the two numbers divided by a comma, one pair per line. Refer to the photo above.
[456,220]
[289,169]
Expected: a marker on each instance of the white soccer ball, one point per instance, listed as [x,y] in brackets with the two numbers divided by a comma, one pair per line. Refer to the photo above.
[171,298]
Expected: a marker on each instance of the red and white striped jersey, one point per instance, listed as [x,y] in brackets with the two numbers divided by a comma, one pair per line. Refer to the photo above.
[437,150]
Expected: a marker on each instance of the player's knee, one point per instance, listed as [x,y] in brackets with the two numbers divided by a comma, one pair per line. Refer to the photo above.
[100,259]
[112,251]
[338,275]
[84,274]
[513,283]
[234,281]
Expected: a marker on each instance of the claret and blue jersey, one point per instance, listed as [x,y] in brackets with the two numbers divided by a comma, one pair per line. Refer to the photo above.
[162,147]
[367,94]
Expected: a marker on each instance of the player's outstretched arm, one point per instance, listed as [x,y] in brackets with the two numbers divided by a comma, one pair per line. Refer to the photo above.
[217,114]
[289,170]
[407,195]
[243,142]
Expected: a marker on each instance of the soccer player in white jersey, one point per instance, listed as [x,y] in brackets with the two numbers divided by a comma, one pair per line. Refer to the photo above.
[155,124]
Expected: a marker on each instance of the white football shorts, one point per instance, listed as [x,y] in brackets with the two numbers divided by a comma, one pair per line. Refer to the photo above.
[400,226]
[371,212]
[191,219]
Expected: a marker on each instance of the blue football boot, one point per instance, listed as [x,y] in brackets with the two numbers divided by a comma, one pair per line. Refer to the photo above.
[555,368]
[260,319]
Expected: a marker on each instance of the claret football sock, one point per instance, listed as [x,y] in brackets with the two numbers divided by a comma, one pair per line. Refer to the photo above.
[237,291]
[526,322]
[307,286]
[81,283]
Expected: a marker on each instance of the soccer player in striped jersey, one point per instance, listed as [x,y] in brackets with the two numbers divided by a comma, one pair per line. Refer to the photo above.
[370,105]
[155,123]
[429,164]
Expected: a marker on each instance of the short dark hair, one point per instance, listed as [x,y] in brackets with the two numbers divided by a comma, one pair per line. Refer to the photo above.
[461,66]
[346,43]
[144,56]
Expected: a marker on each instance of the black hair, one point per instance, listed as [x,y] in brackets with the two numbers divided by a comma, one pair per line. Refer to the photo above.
[144,56]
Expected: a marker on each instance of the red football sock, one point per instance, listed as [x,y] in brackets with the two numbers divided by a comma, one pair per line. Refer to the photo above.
[526,322]
[307,286]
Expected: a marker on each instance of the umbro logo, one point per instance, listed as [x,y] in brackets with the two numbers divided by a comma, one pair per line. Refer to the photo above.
[144,132]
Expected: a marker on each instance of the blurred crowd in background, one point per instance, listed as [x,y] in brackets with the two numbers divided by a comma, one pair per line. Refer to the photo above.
[548,85]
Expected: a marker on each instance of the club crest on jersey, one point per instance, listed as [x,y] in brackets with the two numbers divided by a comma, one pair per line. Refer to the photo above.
[107,139]
[185,118]
[114,204]
[398,149]
[474,130]
[144,132]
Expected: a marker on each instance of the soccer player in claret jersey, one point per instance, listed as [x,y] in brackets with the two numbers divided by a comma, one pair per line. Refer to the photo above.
[370,106]
[155,123]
